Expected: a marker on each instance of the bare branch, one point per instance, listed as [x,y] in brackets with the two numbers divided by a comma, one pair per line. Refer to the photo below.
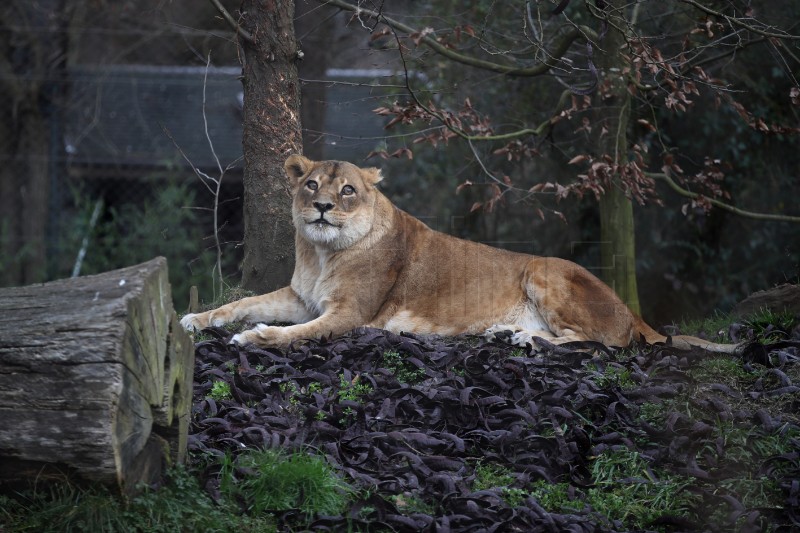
[458,131]
[737,21]
[552,59]
[206,180]
[722,205]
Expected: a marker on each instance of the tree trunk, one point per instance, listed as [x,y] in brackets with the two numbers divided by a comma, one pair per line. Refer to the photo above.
[271,134]
[618,253]
[95,378]
[32,64]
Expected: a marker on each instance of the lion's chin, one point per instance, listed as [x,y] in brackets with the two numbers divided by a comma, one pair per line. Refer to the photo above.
[320,233]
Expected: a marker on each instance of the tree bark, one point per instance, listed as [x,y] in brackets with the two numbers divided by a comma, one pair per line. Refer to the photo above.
[617,233]
[32,64]
[271,133]
[95,379]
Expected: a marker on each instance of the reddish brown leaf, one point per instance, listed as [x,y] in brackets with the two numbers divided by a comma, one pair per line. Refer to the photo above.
[463,185]
[646,124]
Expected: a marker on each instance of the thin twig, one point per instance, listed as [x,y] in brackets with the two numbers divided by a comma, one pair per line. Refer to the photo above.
[205,119]
[243,33]
[206,180]
[200,174]
[736,21]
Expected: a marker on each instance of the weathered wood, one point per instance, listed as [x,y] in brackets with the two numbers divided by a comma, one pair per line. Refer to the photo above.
[95,378]
[782,298]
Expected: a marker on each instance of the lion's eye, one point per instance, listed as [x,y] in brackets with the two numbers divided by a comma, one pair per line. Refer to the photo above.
[348,190]
[312,185]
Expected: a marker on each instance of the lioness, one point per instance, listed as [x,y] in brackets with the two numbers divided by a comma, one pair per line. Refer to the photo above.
[362,261]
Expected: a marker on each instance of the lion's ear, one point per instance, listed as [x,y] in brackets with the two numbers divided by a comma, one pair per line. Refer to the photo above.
[372,175]
[298,166]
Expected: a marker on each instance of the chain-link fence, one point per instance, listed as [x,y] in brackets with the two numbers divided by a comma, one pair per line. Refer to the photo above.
[112,170]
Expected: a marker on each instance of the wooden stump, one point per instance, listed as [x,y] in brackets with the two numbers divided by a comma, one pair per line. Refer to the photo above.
[95,378]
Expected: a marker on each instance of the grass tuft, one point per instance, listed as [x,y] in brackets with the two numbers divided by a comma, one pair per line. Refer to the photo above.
[272,480]
[714,328]
[770,326]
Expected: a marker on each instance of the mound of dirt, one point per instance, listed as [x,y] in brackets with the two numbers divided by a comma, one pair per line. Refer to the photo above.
[414,424]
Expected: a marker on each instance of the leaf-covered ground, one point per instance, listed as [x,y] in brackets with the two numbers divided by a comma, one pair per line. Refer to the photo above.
[455,434]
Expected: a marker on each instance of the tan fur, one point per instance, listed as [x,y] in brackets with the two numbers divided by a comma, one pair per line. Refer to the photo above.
[373,264]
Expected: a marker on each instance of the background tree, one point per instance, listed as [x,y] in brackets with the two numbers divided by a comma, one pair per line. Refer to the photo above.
[645,65]
[271,134]
[56,59]
[31,70]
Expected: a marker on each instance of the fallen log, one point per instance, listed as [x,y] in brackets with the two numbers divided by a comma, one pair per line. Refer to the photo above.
[95,379]
[783,298]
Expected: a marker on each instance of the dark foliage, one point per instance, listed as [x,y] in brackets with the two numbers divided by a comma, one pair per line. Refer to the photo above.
[541,416]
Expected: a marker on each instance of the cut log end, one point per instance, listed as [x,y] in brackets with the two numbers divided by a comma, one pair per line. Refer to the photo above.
[95,379]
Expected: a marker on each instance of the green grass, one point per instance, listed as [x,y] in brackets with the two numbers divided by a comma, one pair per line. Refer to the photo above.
[652,412]
[489,475]
[769,326]
[408,503]
[715,327]
[723,369]
[180,505]
[253,485]
[272,480]
[554,497]
[623,489]
[612,376]
[745,446]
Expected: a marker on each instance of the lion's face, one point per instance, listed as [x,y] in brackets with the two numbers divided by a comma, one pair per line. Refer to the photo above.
[333,201]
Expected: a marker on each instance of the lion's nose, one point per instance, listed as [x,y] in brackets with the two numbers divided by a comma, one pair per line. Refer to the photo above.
[322,207]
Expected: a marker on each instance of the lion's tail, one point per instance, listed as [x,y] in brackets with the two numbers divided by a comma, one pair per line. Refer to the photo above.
[685,342]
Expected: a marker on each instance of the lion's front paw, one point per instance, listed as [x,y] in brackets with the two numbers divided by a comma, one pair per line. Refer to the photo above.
[194,322]
[198,321]
[261,335]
